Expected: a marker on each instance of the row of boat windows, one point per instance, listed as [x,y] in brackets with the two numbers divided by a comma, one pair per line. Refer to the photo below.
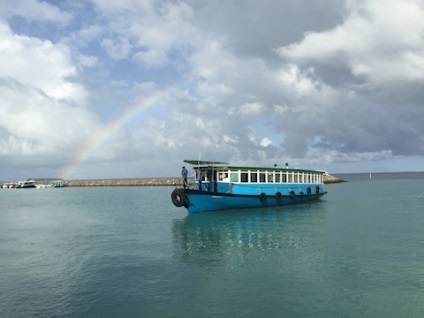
[269,177]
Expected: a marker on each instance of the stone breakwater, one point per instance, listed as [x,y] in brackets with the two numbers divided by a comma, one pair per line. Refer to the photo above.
[330,179]
[147,182]
[122,182]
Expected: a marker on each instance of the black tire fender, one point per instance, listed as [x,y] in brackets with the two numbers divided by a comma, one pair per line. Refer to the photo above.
[179,198]
[278,196]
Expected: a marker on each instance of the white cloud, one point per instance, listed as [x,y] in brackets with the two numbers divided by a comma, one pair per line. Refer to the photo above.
[152,34]
[265,142]
[31,62]
[43,108]
[118,48]
[293,78]
[33,10]
[249,109]
[378,40]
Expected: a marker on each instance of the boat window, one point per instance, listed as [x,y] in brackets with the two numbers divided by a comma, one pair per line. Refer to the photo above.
[270,177]
[253,176]
[296,177]
[284,177]
[290,177]
[244,177]
[223,176]
[261,176]
[234,177]
[277,176]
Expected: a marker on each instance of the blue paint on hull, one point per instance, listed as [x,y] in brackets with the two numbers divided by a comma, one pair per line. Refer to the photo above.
[202,201]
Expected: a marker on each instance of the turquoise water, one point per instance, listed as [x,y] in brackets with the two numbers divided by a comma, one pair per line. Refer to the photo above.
[128,252]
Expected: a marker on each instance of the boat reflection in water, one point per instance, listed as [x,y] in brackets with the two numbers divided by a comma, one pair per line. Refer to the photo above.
[233,236]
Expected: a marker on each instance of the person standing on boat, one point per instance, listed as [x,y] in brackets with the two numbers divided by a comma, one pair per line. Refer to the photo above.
[184,174]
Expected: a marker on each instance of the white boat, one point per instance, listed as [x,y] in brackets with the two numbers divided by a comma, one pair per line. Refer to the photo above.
[43,186]
[26,184]
[49,183]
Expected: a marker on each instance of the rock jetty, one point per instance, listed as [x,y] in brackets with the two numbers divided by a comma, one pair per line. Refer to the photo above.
[330,179]
[122,182]
[147,182]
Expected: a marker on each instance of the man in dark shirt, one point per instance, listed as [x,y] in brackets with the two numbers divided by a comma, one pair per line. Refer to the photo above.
[184,174]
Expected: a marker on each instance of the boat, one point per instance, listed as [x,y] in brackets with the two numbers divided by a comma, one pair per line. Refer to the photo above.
[50,184]
[44,186]
[9,185]
[219,186]
[26,184]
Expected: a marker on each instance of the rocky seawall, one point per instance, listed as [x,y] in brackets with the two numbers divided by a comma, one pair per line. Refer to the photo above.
[122,182]
[147,182]
[330,179]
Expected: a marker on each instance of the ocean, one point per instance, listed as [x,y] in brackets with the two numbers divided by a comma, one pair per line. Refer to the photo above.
[128,252]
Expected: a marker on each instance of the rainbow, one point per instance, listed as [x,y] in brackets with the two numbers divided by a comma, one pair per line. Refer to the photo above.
[98,138]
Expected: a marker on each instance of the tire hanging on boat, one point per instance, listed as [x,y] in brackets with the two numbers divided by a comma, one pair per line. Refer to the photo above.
[301,194]
[309,191]
[317,189]
[178,198]
[262,197]
[278,196]
[292,194]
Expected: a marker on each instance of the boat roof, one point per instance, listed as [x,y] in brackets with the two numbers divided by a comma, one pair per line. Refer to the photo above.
[204,162]
[217,165]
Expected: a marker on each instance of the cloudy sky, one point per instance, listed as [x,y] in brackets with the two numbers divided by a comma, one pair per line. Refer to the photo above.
[130,88]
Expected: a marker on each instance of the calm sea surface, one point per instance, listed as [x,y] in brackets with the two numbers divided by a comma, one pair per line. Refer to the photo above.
[128,252]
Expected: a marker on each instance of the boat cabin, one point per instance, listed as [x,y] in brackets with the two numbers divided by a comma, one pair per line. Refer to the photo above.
[219,177]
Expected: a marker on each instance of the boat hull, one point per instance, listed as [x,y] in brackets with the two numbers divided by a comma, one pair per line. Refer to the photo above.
[203,201]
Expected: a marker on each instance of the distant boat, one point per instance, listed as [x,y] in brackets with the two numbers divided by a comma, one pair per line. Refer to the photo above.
[219,186]
[26,184]
[51,184]
[324,172]
[9,185]
[43,186]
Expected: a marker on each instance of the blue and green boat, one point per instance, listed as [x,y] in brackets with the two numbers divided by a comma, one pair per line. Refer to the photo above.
[218,186]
